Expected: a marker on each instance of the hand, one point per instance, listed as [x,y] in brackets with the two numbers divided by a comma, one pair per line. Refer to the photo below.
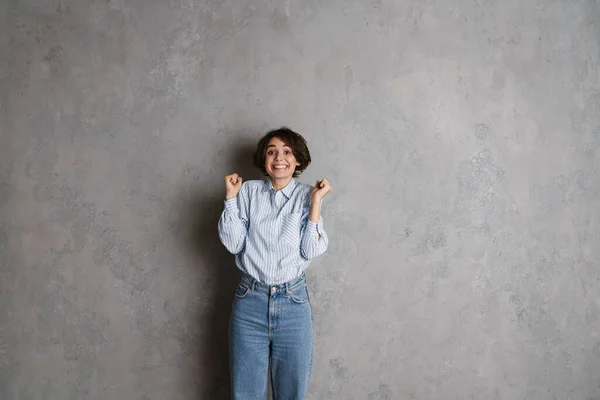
[233,183]
[321,189]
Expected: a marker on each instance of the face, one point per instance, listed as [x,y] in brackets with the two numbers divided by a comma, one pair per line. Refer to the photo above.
[280,161]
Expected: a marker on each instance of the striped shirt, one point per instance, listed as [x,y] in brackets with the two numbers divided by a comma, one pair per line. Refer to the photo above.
[269,231]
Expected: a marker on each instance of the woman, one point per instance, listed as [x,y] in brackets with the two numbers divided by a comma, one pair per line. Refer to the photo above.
[274,228]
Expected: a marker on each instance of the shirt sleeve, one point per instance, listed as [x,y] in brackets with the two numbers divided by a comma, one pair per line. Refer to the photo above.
[314,240]
[233,224]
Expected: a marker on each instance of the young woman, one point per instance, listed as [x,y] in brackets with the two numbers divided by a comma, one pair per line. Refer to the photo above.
[274,227]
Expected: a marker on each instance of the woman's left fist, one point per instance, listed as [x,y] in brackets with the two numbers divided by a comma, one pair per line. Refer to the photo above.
[321,189]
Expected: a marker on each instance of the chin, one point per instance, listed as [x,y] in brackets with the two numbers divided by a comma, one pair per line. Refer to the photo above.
[279,173]
[280,176]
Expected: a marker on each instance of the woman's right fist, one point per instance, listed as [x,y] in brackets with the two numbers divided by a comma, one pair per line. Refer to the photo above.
[233,183]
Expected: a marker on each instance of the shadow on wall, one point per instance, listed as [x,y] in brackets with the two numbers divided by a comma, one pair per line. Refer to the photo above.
[200,213]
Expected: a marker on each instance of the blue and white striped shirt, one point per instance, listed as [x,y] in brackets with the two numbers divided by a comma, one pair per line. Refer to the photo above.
[269,231]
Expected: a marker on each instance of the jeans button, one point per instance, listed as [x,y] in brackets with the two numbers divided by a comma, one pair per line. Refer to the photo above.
[273,290]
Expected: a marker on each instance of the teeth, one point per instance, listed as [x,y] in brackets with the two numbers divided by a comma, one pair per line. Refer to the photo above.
[280,167]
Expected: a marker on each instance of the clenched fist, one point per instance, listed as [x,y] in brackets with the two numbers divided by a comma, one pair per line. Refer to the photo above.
[233,183]
[321,189]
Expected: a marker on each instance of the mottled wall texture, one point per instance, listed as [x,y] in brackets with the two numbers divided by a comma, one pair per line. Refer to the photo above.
[462,139]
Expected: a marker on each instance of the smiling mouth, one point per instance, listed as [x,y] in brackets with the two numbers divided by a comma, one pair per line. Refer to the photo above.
[280,167]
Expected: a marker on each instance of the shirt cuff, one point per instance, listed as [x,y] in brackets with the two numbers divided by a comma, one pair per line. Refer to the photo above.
[231,204]
[314,228]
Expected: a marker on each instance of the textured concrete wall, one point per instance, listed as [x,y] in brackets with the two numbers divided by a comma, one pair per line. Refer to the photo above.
[462,139]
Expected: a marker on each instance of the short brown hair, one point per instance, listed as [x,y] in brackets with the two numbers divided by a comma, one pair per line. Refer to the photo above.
[294,140]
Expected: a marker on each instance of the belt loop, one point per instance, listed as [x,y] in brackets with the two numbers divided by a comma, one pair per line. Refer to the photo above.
[252,284]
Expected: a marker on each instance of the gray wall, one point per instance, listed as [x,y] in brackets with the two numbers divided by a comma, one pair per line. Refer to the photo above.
[462,139]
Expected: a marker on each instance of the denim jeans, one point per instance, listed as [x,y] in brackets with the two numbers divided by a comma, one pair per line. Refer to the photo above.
[270,322]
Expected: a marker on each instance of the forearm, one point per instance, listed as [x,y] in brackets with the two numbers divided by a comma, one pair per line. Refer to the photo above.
[314,238]
[232,229]
[315,211]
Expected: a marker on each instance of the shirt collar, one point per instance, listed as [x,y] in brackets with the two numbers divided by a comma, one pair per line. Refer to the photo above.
[287,191]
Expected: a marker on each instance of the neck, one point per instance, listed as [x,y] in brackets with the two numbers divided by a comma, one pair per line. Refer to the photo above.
[279,184]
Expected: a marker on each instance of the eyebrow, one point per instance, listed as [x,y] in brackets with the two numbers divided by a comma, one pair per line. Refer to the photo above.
[285,145]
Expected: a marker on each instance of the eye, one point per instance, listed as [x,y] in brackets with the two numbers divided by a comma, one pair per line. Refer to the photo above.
[288,152]
[270,152]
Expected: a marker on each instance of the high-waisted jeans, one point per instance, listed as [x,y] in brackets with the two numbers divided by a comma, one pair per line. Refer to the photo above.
[270,322]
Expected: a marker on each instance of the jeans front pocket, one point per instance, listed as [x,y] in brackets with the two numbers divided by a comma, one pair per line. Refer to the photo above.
[241,291]
[299,294]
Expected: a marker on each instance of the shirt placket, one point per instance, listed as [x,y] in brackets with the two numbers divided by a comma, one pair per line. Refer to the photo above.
[275,212]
